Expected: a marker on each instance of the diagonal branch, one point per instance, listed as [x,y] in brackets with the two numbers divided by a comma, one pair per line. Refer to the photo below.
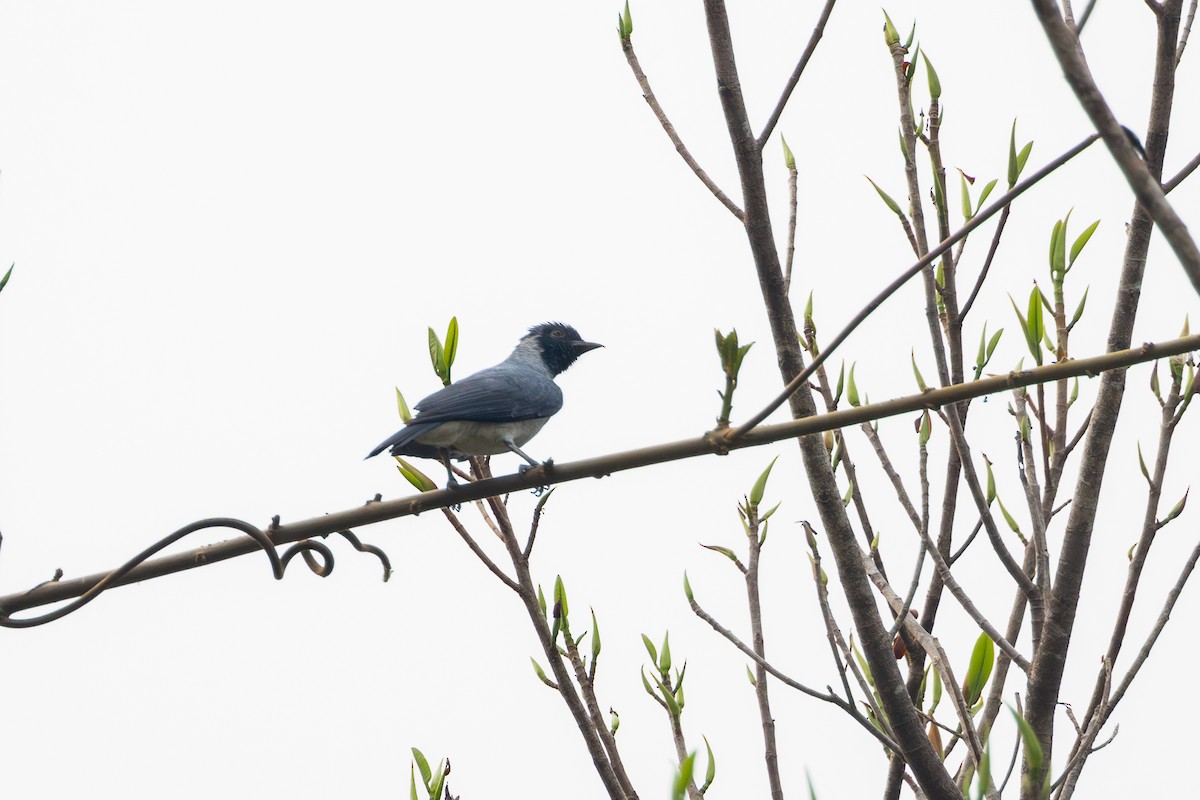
[1145,186]
[809,49]
[652,101]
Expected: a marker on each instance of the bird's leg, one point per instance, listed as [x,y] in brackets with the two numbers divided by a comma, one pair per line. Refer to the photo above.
[511,445]
[451,481]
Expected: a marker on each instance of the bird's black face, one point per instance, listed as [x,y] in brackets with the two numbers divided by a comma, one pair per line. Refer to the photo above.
[560,344]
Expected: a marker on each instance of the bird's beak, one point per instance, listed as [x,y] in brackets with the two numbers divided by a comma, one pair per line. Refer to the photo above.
[583,347]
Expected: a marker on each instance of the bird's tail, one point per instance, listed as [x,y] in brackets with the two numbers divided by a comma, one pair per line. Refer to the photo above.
[399,439]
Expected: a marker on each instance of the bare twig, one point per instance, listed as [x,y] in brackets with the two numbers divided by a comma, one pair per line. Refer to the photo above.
[461,530]
[1083,18]
[809,49]
[1185,33]
[652,101]
[1187,170]
[827,696]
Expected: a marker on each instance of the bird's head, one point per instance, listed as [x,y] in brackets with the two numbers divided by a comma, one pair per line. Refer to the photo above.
[559,345]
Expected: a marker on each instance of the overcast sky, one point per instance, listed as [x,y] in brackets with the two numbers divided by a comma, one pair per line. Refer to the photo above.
[232,223]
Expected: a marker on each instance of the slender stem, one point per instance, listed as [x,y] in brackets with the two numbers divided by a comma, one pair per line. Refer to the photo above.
[652,101]
[809,49]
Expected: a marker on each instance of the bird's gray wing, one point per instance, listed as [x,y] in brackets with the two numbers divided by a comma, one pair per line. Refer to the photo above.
[504,393]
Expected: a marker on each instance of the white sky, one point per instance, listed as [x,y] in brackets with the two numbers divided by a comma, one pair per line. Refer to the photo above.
[232,224]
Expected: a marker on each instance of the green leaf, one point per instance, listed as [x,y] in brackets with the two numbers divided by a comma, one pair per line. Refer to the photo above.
[937,691]
[987,190]
[991,482]
[687,588]
[412,782]
[912,68]
[420,480]
[560,598]
[917,373]
[437,355]
[760,485]
[1081,241]
[422,765]
[1154,381]
[890,35]
[725,551]
[983,656]
[984,776]
[1079,309]
[862,665]
[852,388]
[595,637]
[995,340]
[1187,328]
[650,648]
[841,382]
[1074,393]
[935,85]
[439,781]
[7,275]
[750,675]
[1142,464]
[541,673]
[541,600]
[925,430]
[1013,171]
[1033,748]
[1012,523]
[451,348]
[887,199]
[1178,509]
[711,772]
[405,414]
[625,24]
[789,159]
[1023,156]
[812,792]
[683,777]
[1036,328]
[966,197]
[1058,246]
[664,654]
[849,495]
[616,722]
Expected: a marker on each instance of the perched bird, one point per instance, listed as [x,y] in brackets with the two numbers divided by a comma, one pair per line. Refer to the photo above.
[497,409]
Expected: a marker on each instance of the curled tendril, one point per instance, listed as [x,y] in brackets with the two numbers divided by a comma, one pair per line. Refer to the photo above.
[306,548]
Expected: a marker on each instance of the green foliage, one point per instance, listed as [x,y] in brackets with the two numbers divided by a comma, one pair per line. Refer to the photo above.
[983,657]
[442,356]
[625,24]
[434,782]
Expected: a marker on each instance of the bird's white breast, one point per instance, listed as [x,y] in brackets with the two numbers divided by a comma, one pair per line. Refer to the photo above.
[481,438]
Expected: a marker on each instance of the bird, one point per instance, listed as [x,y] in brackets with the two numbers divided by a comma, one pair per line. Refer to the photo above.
[497,409]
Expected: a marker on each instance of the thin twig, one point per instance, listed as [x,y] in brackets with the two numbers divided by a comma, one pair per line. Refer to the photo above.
[1184,33]
[1187,170]
[809,49]
[1083,18]
[652,101]
[461,530]
[828,696]
[793,195]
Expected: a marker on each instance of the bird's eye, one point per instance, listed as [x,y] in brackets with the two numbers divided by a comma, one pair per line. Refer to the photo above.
[558,334]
